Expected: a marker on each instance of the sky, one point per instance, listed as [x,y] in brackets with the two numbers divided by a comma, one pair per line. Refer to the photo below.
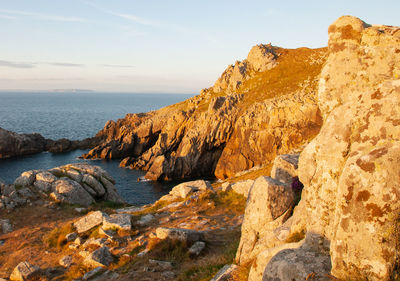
[158,46]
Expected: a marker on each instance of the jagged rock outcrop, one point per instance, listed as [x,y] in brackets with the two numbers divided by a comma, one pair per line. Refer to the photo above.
[350,171]
[224,132]
[13,144]
[79,183]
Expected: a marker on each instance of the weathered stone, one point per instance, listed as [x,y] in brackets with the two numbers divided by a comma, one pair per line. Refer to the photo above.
[266,209]
[298,264]
[26,178]
[285,167]
[186,235]
[225,273]
[242,187]
[94,184]
[5,226]
[71,236]
[197,248]
[74,174]
[351,195]
[44,180]
[226,186]
[24,271]
[7,189]
[100,257]
[89,221]
[65,261]
[117,221]
[26,193]
[146,219]
[95,272]
[165,265]
[184,189]
[94,242]
[69,191]
[262,57]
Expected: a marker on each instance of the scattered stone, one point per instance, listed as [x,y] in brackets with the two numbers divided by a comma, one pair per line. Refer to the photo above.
[242,187]
[25,179]
[93,273]
[78,241]
[73,246]
[146,219]
[71,236]
[107,232]
[168,274]
[225,273]
[66,261]
[26,193]
[184,189]
[182,234]
[96,242]
[170,206]
[89,221]
[84,254]
[6,226]
[197,248]
[24,271]
[226,186]
[100,257]
[81,210]
[165,265]
[128,210]
[143,253]
[117,221]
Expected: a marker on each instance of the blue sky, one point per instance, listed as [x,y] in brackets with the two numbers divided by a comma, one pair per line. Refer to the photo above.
[170,46]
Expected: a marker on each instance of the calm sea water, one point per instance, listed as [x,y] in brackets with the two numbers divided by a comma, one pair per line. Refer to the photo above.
[77,116]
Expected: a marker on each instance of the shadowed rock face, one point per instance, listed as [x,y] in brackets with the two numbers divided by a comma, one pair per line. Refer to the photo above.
[226,129]
[13,144]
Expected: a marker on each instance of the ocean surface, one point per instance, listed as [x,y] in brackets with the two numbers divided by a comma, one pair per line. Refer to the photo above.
[77,116]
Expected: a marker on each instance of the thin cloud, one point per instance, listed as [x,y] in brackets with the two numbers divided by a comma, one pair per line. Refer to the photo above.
[64,64]
[40,16]
[14,64]
[7,17]
[117,65]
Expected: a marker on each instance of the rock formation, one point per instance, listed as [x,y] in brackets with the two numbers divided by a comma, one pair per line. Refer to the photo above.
[261,107]
[13,144]
[349,207]
[80,184]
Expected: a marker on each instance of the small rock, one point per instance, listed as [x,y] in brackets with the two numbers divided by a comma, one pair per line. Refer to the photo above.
[226,186]
[6,226]
[144,220]
[182,234]
[100,257]
[84,254]
[71,236]
[197,247]
[78,241]
[73,246]
[96,242]
[168,274]
[81,210]
[129,210]
[224,273]
[24,271]
[165,265]
[66,261]
[93,273]
[117,221]
[143,253]
[107,232]
[242,187]
[89,221]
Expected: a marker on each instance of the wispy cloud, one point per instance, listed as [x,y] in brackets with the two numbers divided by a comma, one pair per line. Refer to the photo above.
[117,65]
[14,64]
[8,17]
[13,14]
[64,64]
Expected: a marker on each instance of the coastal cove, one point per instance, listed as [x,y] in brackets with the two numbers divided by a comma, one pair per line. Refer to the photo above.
[77,116]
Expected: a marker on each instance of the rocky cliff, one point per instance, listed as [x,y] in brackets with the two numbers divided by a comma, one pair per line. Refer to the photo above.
[13,144]
[260,107]
[349,207]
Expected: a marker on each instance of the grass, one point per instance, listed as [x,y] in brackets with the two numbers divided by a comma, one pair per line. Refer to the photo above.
[56,238]
[231,200]
[175,251]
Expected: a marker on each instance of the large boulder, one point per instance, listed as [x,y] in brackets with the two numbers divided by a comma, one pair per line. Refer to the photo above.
[285,167]
[89,221]
[25,271]
[184,189]
[100,257]
[351,169]
[69,191]
[242,187]
[186,235]
[267,208]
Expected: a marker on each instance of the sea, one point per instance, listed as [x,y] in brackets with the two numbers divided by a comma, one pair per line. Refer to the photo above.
[77,116]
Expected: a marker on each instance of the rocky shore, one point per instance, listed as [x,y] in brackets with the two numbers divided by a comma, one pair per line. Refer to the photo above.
[308,162]
[13,144]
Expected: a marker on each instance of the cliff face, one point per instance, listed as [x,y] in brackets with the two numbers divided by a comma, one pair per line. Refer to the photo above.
[260,107]
[349,208]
